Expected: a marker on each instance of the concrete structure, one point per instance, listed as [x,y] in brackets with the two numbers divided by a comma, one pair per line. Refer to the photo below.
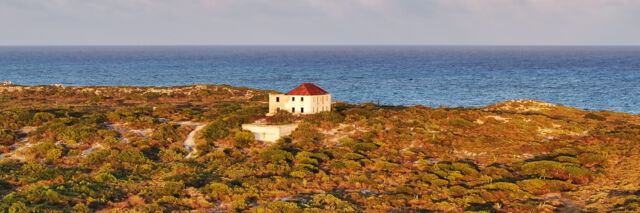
[304,99]
[269,133]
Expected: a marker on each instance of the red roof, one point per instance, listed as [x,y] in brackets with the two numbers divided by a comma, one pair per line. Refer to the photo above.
[307,89]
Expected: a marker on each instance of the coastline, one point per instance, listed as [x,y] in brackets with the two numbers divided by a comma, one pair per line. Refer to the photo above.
[194,88]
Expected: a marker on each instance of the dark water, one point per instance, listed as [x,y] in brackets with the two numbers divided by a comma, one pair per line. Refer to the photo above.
[586,77]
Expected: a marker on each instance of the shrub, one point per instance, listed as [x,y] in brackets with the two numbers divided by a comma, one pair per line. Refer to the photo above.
[244,138]
[128,159]
[215,131]
[152,96]
[552,169]
[330,202]
[166,134]
[464,168]
[283,207]
[537,186]
[461,123]
[18,207]
[301,173]
[52,155]
[7,136]
[42,117]
[497,173]
[169,201]
[172,188]
[594,117]
[169,155]
[80,208]
[353,156]
[565,151]
[542,169]
[503,186]
[386,166]
[357,146]
[281,117]
[218,191]
[592,159]
[276,156]
[567,159]
[105,177]
[352,165]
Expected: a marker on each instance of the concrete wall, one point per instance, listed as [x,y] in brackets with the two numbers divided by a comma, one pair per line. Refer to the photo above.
[296,103]
[269,133]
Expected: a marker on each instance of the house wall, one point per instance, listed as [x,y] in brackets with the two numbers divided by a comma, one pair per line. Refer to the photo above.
[274,105]
[311,103]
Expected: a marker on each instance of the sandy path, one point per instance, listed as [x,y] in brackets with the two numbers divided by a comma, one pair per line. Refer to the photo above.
[190,142]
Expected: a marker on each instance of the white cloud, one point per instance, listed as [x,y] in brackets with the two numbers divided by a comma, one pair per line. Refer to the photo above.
[555,22]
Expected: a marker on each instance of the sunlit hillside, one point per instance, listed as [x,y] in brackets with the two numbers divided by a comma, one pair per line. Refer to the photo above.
[86,149]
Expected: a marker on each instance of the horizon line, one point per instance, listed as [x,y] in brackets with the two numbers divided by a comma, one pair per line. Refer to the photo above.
[321,45]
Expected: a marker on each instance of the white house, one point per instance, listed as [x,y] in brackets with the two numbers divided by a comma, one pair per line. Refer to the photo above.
[304,99]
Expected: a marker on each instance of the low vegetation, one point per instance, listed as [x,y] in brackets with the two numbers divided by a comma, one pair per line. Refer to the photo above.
[83,149]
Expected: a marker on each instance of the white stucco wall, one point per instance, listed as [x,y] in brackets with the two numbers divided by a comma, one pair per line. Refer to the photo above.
[269,133]
[311,103]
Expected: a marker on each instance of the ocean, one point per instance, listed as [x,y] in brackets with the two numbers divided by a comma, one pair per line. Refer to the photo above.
[587,77]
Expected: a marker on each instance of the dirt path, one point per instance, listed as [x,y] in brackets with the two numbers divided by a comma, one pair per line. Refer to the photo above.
[190,142]
[20,145]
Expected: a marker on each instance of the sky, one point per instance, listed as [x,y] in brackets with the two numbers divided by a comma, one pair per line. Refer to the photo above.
[319,22]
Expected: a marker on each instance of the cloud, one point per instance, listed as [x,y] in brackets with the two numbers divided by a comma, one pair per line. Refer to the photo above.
[571,22]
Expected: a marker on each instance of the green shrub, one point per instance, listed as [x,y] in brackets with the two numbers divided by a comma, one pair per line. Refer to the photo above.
[552,169]
[542,169]
[592,159]
[331,202]
[169,155]
[42,117]
[276,156]
[244,138]
[461,123]
[464,168]
[281,117]
[497,173]
[52,155]
[215,131]
[219,191]
[301,173]
[567,159]
[538,186]
[565,151]
[283,207]
[7,136]
[386,166]
[594,117]
[166,134]
[358,146]
[128,159]
[502,186]
[80,208]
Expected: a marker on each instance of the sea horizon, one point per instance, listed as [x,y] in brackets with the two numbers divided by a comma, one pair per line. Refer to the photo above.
[587,76]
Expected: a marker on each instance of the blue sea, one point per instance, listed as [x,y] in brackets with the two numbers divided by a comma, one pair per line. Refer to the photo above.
[590,77]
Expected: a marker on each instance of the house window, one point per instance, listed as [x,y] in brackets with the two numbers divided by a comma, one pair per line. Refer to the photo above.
[293,109]
[277,99]
[278,109]
[293,98]
[301,109]
[301,99]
